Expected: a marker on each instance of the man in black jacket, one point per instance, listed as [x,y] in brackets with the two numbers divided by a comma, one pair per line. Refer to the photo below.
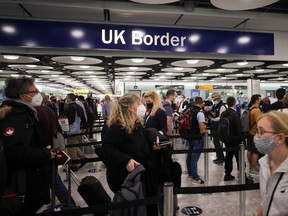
[26,158]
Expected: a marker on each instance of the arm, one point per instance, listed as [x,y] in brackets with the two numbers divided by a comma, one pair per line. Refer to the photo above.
[169,125]
[201,122]
[162,118]
[222,109]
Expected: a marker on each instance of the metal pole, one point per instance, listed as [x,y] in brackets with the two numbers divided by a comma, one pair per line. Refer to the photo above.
[168,198]
[242,178]
[206,166]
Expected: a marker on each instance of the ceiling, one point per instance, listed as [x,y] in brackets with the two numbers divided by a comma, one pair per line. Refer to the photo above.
[98,69]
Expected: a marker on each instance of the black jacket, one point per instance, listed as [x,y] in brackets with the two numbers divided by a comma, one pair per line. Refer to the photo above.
[236,131]
[118,148]
[24,150]
[158,121]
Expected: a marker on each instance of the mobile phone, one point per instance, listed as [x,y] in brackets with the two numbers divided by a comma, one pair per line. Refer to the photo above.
[56,149]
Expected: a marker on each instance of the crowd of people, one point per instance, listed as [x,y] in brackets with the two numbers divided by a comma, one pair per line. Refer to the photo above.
[28,122]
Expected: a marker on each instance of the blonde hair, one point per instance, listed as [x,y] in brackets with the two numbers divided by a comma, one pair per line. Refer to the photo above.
[278,121]
[156,101]
[120,113]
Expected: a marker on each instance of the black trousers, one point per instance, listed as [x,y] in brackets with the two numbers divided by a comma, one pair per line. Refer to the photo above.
[229,160]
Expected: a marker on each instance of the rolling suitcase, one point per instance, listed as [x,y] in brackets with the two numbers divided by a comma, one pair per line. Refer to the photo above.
[93,192]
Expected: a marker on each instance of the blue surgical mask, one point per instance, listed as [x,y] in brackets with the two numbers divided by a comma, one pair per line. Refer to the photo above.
[265,145]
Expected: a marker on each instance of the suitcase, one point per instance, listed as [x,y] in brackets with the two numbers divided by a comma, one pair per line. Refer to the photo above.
[93,192]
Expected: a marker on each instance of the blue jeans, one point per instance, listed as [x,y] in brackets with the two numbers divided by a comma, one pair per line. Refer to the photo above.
[192,158]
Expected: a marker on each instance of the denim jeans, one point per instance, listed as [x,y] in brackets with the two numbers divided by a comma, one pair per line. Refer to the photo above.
[192,158]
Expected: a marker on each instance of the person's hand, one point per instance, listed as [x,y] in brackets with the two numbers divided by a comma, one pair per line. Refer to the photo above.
[258,212]
[53,154]
[131,165]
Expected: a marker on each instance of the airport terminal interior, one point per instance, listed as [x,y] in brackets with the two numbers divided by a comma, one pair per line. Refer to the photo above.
[106,47]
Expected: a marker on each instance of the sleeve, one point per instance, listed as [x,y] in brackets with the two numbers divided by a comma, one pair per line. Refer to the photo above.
[200,117]
[162,118]
[70,113]
[110,152]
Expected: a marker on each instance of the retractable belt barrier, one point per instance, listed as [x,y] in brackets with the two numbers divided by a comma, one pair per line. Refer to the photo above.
[153,200]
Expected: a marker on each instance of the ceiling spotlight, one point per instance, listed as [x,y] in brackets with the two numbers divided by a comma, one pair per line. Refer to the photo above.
[11,57]
[285,65]
[220,69]
[133,68]
[137,60]
[260,70]
[192,61]
[77,58]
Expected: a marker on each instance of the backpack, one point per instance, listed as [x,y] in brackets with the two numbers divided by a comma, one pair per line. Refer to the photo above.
[131,189]
[245,120]
[186,128]
[185,123]
[224,129]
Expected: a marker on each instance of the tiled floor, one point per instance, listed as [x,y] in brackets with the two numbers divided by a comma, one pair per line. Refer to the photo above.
[217,204]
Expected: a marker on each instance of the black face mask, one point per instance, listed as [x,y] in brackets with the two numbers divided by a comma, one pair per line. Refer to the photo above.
[149,105]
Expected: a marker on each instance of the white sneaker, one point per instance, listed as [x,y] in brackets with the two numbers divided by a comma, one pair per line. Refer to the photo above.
[254,172]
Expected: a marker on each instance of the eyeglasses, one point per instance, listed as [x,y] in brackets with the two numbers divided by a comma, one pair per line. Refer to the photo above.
[260,132]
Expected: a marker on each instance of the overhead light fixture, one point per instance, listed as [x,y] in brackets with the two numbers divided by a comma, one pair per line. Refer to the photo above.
[154,1]
[31,66]
[138,60]
[285,64]
[178,68]
[84,66]
[77,58]
[192,61]
[11,57]
[89,72]
[242,63]
[44,71]
[238,5]
[259,70]
[133,68]
[131,72]
[220,69]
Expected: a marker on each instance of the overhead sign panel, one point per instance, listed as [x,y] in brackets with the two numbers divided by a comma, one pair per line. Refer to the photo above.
[34,33]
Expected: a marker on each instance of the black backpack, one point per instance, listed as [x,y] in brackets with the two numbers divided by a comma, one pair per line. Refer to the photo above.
[224,125]
[131,189]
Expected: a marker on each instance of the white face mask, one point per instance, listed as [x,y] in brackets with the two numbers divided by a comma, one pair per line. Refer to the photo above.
[37,100]
[141,110]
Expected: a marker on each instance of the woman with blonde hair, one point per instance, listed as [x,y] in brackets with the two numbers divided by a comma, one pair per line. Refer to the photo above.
[124,146]
[272,139]
[156,116]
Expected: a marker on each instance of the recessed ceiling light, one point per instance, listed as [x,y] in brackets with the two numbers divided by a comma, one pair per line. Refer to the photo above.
[169,73]
[131,72]
[259,70]
[54,75]
[89,72]
[285,64]
[220,69]
[11,57]
[239,74]
[44,71]
[77,58]
[192,61]
[14,75]
[137,60]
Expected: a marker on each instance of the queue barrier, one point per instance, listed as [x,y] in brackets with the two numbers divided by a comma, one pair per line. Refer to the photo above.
[168,201]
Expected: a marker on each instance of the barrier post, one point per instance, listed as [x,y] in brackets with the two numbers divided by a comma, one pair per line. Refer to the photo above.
[168,198]
[206,161]
[242,178]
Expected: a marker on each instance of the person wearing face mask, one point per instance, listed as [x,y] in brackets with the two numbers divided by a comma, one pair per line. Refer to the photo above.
[125,145]
[27,159]
[156,116]
[214,116]
[271,139]
[252,153]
